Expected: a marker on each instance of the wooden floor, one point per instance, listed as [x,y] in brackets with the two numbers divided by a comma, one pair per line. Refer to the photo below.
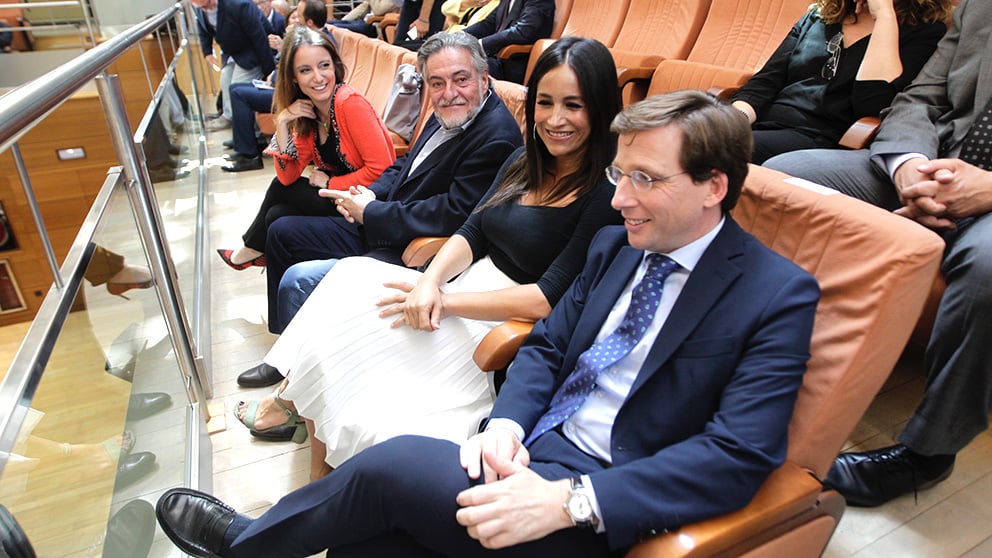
[952,519]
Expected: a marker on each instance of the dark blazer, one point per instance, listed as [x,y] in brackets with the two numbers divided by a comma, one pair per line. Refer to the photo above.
[529,21]
[437,197]
[934,113]
[241,32]
[707,416]
[277,25]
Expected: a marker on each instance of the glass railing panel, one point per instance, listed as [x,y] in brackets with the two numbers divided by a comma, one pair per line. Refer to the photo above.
[108,421]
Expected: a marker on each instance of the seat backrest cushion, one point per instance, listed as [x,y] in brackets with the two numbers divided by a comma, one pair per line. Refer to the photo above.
[673,75]
[744,33]
[599,19]
[875,270]
[665,28]
[514,96]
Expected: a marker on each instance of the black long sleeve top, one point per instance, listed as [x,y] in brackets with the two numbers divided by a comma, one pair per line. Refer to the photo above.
[791,92]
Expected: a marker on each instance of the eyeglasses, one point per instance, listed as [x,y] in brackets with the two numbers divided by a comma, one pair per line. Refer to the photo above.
[638,179]
[829,69]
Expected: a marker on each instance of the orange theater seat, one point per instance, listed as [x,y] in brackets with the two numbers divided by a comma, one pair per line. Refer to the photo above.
[736,39]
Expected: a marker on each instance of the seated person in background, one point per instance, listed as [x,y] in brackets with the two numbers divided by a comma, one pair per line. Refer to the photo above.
[419,19]
[651,451]
[931,163]
[361,382]
[283,7]
[277,22]
[843,60]
[246,100]
[429,191]
[241,31]
[356,19]
[459,14]
[514,22]
[319,120]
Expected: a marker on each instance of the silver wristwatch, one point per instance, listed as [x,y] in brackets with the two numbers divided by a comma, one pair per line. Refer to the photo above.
[578,506]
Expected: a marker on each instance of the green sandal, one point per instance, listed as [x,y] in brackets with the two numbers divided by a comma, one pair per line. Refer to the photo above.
[294,429]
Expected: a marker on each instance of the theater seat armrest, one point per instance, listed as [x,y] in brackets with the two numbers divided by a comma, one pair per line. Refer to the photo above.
[421,250]
[509,51]
[724,93]
[500,345]
[860,134]
[627,75]
[789,491]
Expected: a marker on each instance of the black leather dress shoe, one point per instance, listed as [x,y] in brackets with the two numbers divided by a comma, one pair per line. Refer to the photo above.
[133,467]
[13,542]
[228,144]
[872,478]
[143,405]
[244,164]
[195,522]
[130,531]
[262,375]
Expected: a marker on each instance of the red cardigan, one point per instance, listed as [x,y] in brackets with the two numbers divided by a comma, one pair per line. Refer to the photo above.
[365,143]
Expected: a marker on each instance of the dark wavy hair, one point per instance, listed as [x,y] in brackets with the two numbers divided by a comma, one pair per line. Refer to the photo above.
[597,75]
[287,90]
[908,12]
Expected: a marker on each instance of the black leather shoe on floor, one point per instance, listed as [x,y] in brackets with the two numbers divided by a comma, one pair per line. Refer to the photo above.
[244,164]
[143,405]
[13,542]
[195,522]
[133,467]
[262,375]
[130,531]
[872,478]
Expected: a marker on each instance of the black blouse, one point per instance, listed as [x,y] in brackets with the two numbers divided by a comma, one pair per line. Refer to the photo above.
[791,92]
[539,244]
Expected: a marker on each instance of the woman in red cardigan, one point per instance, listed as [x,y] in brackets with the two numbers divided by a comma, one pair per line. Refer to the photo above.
[319,120]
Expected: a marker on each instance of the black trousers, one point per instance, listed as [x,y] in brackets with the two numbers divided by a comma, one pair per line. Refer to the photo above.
[397,499]
[299,198]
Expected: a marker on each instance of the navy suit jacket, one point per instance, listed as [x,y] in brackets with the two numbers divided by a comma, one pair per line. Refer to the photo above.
[278,24]
[706,418]
[437,197]
[241,32]
[529,21]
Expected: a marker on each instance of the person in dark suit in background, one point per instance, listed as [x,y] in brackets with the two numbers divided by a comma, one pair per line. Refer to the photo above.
[657,393]
[514,22]
[428,192]
[931,163]
[241,30]
[277,23]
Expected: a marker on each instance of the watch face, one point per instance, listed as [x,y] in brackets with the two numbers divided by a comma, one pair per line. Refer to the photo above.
[579,507]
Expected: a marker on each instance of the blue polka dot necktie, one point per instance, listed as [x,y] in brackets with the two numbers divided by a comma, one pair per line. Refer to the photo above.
[581,382]
[977,146]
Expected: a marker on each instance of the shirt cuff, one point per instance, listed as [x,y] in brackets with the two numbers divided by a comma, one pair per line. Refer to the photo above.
[893,161]
[506,424]
[594,502]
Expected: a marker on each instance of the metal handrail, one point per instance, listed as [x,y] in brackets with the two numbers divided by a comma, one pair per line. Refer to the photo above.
[21,110]
[27,105]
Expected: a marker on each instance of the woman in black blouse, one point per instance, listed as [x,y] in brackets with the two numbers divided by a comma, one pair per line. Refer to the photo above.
[843,60]
[360,376]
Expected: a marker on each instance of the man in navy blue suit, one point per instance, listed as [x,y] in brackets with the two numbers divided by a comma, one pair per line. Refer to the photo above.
[242,32]
[686,425]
